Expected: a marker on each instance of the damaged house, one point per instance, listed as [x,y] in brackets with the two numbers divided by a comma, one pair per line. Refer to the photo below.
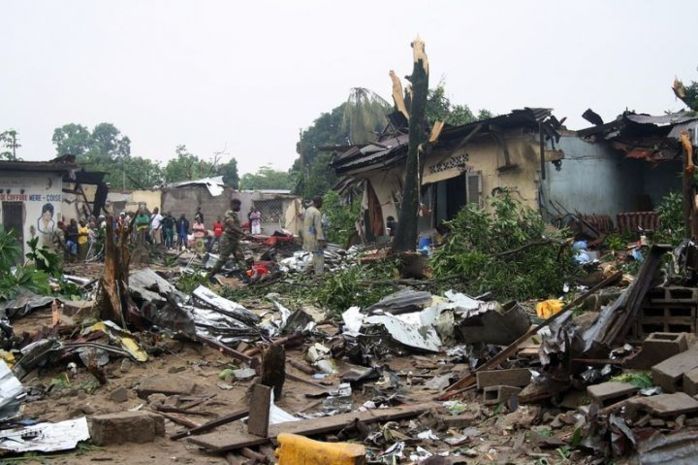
[466,165]
[611,175]
[36,195]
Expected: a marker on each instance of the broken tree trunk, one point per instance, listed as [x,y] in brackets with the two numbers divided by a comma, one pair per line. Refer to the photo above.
[112,297]
[406,235]
[688,191]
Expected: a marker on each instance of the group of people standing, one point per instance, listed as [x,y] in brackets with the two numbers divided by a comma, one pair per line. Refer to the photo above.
[158,229]
[73,240]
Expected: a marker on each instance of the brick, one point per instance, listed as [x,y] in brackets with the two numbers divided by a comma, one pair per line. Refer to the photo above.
[658,347]
[460,421]
[665,405]
[690,382]
[610,391]
[669,373]
[295,449]
[165,384]
[494,395]
[514,377]
[123,427]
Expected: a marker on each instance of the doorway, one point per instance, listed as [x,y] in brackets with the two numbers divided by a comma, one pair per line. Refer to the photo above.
[13,219]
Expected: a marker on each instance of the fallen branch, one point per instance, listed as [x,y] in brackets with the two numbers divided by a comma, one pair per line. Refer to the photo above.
[525,246]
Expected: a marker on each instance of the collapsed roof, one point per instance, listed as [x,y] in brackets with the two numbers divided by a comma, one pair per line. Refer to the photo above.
[643,136]
[392,148]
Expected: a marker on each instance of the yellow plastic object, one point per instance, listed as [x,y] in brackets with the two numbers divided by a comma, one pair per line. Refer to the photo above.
[548,308]
[121,337]
[299,450]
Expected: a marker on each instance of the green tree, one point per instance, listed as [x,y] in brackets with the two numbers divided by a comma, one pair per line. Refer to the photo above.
[266,177]
[187,166]
[107,142]
[72,139]
[229,171]
[9,143]
[313,172]
[142,173]
[440,108]
[363,115]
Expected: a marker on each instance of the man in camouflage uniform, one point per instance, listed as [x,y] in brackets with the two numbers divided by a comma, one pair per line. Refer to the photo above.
[230,242]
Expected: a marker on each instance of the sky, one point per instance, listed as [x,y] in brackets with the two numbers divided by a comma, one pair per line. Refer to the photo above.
[244,77]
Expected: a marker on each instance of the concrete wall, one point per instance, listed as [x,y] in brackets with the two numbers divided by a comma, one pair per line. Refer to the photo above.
[596,179]
[178,200]
[39,189]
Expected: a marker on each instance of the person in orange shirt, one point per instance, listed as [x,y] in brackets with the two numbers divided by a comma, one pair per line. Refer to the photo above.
[217,234]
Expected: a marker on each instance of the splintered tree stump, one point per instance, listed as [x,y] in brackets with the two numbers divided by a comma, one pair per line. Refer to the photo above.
[274,368]
[112,296]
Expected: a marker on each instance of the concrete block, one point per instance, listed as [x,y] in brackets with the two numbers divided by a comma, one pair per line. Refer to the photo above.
[669,373]
[610,392]
[690,382]
[514,377]
[494,395]
[658,347]
[123,427]
[165,384]
[665,405]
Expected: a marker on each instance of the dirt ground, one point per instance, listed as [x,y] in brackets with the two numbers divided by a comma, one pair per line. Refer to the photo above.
[493,436]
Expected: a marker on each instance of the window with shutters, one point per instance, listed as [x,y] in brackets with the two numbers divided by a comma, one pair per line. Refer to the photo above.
[473,187]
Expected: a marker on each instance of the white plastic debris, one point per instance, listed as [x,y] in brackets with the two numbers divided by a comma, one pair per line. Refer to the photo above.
[411,335]
[11,393]
[46,437]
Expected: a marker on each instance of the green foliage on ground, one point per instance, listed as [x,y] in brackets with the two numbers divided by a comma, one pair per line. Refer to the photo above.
[342,217]
[478,237]
[336,291]
[190,281]
[357,285]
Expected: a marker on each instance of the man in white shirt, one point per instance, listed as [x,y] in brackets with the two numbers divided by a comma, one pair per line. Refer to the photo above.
[156,227]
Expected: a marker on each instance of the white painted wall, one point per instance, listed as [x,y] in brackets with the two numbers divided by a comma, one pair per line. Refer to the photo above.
[34,190]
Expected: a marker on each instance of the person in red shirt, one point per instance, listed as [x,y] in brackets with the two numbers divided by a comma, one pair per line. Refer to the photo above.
[217,233]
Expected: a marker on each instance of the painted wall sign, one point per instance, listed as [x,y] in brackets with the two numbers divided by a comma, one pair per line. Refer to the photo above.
[31,197]
[455,161]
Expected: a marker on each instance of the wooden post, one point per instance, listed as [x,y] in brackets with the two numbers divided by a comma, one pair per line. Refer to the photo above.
[406,235]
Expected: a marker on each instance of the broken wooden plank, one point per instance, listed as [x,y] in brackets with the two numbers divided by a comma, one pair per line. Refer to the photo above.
[225,441]
[212,424]
[260,403]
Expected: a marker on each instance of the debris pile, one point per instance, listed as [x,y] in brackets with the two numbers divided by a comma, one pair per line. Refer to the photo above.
[164,361]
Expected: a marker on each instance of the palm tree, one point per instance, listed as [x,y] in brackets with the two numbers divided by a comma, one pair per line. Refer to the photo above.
[364,115]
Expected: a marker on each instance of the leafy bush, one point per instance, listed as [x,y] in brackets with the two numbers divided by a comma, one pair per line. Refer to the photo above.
[13,276]
[43,258]
[491,250]
[672,228]
[341,217]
